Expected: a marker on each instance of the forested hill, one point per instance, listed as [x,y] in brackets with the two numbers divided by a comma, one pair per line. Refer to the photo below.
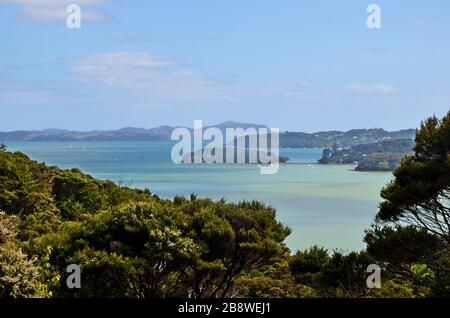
[343,139]
[383,155]
[128,242]
[161,133]
[287,139]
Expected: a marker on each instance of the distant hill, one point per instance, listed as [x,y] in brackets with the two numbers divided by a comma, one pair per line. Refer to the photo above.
[287,139]
[124,134]
[383,155]
[384,161]
[234,124]
[342,139]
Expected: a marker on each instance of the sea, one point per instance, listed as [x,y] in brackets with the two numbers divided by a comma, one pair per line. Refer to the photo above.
[324,205]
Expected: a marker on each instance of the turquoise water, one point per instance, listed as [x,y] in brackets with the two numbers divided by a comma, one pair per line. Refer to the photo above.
[325,205]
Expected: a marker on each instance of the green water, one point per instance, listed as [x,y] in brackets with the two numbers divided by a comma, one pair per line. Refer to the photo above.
[325,205]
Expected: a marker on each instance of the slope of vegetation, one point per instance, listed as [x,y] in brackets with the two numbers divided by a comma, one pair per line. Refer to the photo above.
[130,243]
[379,156]
[382,161]
[345,139]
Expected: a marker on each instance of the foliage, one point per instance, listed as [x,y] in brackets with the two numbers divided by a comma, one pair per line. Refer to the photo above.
[420,193]
[417,203]
[19,275]
[384,161]
[384,155]
[354,137]
[343,276]
[130,243]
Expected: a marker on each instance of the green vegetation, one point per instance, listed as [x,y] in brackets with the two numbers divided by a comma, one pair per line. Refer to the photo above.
[287,139]
[419,196]
[131,243]
[383,161]
[384,155]
[19,276]
[354,137]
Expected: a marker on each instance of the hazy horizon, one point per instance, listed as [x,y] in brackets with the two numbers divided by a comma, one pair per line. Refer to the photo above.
[205,125]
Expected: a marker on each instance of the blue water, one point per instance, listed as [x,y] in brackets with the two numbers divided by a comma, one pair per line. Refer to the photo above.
[325,205]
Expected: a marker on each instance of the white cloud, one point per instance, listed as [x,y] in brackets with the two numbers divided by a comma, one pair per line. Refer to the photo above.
[51,2]
[134,39]
[122,59]
[55,10]
[54,14]
[163,79]
[376,89]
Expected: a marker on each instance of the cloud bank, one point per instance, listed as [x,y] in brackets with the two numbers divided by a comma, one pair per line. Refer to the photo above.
[55,10]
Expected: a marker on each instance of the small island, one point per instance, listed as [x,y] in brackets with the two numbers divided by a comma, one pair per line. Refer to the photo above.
[247,153]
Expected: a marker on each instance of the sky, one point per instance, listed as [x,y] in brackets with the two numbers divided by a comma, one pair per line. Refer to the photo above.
[290,64]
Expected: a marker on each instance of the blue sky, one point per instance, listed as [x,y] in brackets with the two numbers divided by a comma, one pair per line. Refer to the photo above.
[291,64]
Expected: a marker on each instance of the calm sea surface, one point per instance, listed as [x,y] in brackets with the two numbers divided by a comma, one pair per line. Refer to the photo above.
[325,205]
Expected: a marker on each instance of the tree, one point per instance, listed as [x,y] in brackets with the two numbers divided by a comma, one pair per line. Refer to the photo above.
[19,275]
[135,250]
[418,196]
[236,240]
[2,147]
[343,276]
[305,264]
[326,154]
[400,246]
[420,192]
[335,149]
